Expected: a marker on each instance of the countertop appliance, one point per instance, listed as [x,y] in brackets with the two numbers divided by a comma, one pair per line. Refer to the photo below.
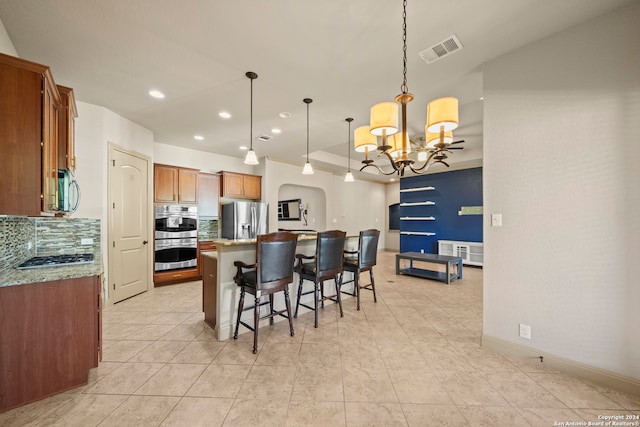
[244,220]
[68,191]
[56,261]
[176,232]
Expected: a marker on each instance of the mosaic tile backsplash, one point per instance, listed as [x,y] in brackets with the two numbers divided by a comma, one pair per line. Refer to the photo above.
[22,238]
[207,230]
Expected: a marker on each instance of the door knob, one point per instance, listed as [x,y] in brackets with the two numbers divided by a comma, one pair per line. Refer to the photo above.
[144,242]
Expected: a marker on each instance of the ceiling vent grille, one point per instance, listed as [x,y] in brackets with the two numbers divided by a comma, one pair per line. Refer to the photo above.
[440,50]
[264,138]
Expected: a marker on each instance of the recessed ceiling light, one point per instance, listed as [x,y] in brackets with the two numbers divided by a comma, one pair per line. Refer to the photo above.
[276,131]
[285,115]
[198,137]
[156,94]
[392,179]
[243,147]
[482,98]
[224,114]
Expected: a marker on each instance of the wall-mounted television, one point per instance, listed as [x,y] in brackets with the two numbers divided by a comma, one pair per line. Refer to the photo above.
[289,210]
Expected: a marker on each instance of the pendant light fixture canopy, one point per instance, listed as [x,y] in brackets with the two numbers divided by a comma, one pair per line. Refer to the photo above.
[308,169]
[251,158]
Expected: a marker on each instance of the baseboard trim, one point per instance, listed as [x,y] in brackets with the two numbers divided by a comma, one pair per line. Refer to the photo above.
[577,369]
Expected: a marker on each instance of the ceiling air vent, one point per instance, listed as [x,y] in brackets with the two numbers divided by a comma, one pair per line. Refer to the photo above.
[440,50]
[264,138]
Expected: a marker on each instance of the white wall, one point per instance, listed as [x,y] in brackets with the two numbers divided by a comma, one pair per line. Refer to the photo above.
[202,160]
[354,206]
[96,127]
[392,192]
[314,201]
[6,45]
[561,163]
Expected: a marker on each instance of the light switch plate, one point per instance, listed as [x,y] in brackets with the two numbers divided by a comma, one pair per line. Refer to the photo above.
[496,220]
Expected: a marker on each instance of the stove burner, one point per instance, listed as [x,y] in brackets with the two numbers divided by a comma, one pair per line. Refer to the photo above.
[56,261]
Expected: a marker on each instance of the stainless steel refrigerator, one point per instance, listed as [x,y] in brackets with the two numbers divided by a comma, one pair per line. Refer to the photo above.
[244,220]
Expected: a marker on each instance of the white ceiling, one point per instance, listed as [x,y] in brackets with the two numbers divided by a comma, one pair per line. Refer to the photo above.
[345,55]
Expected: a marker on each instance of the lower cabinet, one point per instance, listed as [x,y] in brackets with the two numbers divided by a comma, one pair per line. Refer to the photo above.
[470,252]
[50,336]
[175,276]
[209,289]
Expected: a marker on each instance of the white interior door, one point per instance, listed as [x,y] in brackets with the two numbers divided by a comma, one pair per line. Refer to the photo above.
[129,246]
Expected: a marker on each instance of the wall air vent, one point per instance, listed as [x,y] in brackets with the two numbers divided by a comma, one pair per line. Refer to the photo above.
[440,50]
[264,138]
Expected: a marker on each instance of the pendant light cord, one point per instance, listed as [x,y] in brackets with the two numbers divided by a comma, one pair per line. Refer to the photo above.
[307,101]
[251,117]
[403,87]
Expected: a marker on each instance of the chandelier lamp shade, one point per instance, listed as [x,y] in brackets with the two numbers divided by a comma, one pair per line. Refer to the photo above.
[251,158]
[395,145]
[307,169]
[349,176]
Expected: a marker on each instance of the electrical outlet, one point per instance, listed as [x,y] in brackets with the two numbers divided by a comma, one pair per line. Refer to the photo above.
[87,241]
[525,331]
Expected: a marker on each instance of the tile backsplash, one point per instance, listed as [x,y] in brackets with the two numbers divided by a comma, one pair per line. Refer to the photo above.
[22,238]
[207,229]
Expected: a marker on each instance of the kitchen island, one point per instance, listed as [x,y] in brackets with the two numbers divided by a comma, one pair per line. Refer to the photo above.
[227,292]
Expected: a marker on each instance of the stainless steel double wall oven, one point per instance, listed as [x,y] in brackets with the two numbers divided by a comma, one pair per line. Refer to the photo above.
[176,244]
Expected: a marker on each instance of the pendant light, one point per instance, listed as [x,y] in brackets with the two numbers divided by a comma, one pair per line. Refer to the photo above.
[442,118]
[349,176]
[307,170]
[251,158]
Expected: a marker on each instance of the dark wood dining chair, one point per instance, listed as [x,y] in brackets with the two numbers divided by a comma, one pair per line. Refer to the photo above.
[362,260]
[326,264]
[272,272]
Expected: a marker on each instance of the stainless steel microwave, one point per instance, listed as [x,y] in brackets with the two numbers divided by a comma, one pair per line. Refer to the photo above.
[68,191]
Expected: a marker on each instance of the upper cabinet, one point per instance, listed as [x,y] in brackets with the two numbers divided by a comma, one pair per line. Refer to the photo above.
[173,184]
[28,138]
[67,114]
[241,186]
[208,195]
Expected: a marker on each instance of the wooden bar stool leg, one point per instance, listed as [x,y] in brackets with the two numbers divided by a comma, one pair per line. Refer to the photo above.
[316,295]
[298,298]
[271,307]
[373,286]
[240,307]
[338,286]
[288,304]
[256,322]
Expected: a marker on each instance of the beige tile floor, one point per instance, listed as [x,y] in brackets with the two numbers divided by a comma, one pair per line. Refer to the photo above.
[412,359]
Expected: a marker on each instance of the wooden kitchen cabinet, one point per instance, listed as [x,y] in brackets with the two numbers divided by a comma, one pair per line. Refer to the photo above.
[241,186]
[210,290]
[175,276]
[172,184]
[50,336]
[28,137]
[204,247]
[67,114]
[208,195]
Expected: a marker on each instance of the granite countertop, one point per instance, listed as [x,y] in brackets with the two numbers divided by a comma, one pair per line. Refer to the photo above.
[238,242]
[13,276]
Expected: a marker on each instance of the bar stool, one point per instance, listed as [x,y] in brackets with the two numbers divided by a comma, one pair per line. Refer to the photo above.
[327,264]
[362,260]
[272,272]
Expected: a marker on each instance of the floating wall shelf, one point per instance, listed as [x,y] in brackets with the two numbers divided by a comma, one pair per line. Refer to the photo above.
[417,233]
[418,218]
[417,203]
[411,190]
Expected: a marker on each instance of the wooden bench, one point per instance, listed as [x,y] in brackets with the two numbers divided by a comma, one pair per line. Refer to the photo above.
[447,277]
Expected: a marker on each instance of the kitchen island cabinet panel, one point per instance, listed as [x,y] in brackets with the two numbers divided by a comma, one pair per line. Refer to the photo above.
[49,338]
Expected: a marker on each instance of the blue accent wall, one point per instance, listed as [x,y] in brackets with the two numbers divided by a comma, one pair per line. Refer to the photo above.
[452,191]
